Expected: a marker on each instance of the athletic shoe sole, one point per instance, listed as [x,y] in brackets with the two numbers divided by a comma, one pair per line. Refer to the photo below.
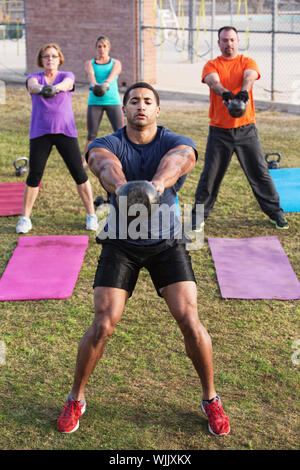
[23,230]
[278,226]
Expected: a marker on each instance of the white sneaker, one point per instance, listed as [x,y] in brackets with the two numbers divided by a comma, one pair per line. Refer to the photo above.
[24,225]
[91,222]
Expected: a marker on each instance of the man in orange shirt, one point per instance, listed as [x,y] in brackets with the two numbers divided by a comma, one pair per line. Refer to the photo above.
[231,76]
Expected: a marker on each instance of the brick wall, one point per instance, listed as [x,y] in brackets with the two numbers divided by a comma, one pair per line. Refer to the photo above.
[149,51]
[75,25]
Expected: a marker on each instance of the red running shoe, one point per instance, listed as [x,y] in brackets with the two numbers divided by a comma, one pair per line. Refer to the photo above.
[69,419]
[218,423]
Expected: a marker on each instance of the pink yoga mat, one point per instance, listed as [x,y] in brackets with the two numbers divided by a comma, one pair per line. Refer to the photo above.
[44,267]
[254,268]
[11,198]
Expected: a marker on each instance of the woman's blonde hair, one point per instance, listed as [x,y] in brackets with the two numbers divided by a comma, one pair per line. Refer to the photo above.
[47,46]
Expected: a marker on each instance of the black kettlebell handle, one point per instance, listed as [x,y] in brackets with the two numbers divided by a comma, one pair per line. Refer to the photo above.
[24,159]
[273,153]
[20,168]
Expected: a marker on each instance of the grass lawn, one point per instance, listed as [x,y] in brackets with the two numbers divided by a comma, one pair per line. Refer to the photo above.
[145,395]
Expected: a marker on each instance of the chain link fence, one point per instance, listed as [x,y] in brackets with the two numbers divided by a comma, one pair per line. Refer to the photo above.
[12,41]
[185,35]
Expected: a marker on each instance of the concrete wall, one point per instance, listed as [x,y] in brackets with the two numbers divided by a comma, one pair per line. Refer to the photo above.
[74,25]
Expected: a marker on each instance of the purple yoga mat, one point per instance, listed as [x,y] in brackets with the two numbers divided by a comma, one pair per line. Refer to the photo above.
[45,267]
[254,268]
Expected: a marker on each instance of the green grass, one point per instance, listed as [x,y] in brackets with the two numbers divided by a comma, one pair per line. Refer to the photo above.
[145,393]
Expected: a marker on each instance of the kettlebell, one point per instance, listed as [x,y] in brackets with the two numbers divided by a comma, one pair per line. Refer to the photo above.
[20,169]
[139,192]
[273,164]
[236,108]
[99,200]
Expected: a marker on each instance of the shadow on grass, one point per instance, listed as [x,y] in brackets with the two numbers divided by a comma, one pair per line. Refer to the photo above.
[9,226]
[120,425]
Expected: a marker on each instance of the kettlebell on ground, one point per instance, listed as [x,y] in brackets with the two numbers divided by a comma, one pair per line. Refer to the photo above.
[273,164]
[20,168]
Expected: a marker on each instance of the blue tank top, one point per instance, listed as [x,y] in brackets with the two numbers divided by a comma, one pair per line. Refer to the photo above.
[112,95]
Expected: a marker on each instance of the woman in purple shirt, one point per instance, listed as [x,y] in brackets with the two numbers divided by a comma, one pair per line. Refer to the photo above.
[53,123]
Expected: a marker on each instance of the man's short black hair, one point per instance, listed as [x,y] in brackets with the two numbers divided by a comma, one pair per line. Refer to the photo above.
[226,28]
[140,85]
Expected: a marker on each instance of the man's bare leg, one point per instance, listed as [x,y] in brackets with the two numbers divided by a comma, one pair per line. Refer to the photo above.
[181,298]
[109,305]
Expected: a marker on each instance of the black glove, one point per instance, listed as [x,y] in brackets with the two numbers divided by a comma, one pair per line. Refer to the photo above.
[243,96]
[227,96]
[48,91]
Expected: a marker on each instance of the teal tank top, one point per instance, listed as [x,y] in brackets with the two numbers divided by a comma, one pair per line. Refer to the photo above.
[112,96]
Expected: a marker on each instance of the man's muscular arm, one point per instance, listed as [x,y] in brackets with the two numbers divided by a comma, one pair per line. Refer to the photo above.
[214,83]
[249,78]
[108,169]
[174,164]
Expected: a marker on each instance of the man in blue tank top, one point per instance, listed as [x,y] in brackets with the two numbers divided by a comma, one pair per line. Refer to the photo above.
[144,151]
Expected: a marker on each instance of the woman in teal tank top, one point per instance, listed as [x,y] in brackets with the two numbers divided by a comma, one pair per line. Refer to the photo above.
[103,70]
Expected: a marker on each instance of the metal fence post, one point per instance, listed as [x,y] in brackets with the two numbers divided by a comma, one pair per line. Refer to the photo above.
[231,12]
[212,27]
[191,52]
[273,58]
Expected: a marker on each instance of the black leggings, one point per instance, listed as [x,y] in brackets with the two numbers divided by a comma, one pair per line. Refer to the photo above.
[68,148]
[95,114]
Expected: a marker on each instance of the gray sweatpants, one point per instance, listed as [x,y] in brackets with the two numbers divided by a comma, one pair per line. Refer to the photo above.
[244,141]
[95,114]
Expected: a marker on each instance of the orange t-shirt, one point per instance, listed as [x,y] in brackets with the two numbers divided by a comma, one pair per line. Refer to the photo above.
[230,72]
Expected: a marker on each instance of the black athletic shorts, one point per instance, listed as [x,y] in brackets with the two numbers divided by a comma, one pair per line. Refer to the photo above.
[120,262]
